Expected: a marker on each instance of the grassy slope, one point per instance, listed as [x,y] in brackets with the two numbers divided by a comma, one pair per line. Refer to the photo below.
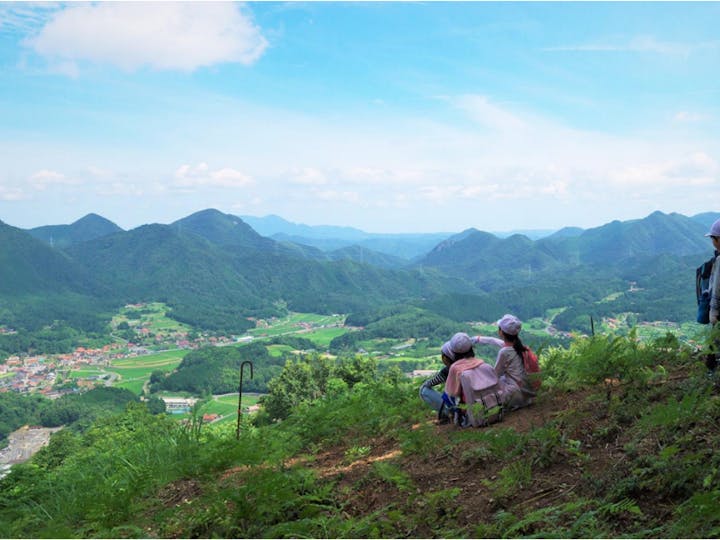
[631,457]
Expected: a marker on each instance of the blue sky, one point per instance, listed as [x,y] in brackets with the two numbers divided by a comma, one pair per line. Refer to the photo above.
[385,116]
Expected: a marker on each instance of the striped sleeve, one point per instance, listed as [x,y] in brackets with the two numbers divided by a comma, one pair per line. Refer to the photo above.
[439,378]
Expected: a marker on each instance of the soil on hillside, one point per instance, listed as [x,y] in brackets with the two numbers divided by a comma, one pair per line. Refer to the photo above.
[590,458]
[565,477]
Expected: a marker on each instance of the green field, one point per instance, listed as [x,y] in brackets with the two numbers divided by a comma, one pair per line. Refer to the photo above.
[159,360]
[323,336]
[295,323]
[225,406]
[152,316]
[135,371]
[85,373]
[278,350]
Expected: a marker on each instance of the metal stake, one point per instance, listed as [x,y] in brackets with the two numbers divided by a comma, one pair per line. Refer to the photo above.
[237,433]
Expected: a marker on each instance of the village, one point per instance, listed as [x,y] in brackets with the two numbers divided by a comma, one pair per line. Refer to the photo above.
[43,373]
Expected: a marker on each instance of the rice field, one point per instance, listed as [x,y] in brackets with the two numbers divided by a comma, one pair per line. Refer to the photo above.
[153,317]
[225,406]
[134,372]
[323,336]
[295,323]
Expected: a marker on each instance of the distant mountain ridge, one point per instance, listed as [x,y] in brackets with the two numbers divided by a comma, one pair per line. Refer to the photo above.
[331,238]
[86,228]
[215,270]
[222,229]
[474,255]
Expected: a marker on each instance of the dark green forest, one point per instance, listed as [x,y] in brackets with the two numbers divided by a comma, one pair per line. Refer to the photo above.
[74,411]
[216,275]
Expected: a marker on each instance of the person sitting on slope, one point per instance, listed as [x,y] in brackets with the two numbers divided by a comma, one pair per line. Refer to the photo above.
[457,356]
[517,391]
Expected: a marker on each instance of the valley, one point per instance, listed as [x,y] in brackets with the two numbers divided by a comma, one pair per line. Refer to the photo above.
[147,342]
[150,327]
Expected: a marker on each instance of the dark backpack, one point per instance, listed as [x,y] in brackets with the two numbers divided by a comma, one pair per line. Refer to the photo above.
[702,290]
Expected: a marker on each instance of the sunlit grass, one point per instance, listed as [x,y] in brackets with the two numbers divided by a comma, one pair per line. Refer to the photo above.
[156,360]
[295,323]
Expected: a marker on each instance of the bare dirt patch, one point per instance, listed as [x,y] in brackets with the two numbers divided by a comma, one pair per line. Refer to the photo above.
[179,492]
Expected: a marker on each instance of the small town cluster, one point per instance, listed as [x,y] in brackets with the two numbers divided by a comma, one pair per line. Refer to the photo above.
[48,374]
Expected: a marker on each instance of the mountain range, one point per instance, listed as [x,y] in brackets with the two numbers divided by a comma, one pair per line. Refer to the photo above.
[215,270]
[476,256]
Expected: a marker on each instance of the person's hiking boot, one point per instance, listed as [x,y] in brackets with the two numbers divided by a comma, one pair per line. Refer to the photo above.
[443,416]
[711,363]
[460,418]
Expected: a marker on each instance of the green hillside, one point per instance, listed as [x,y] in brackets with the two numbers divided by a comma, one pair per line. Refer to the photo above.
[620,443]
[29,266]
[40,285]
[485,259]
[86,228]
[215,274]
[223,229]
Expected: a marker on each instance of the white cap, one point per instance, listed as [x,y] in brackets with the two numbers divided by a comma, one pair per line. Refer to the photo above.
[460,343]
[715,229]
[510,324]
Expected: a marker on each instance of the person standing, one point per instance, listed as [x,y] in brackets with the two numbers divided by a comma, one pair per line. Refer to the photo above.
[714,288]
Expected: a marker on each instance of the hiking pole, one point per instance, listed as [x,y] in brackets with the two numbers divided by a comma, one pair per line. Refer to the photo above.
[237,433]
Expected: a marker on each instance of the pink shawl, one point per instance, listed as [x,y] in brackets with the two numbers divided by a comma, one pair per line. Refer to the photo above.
[452,385]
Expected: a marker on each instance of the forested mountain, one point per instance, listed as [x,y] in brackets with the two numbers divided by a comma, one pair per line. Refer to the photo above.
[272,224]
[223,230]
[658,233]
[707,218]
[29,266]
[567,232]
[178,267]
[233,233]
[644,266]
[367,256]
[40,285]
[215,271]
[86,228]
[216,287]
[478,256]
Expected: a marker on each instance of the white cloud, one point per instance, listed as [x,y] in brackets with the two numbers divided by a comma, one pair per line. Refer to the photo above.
[24,17]
[161,35]
[124,189]
[308,176]
[382,176]
[44,178]
[689,117]
[481,110]
[98,172]
[187,176]
[11,194]
[338,196]
[697,169]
